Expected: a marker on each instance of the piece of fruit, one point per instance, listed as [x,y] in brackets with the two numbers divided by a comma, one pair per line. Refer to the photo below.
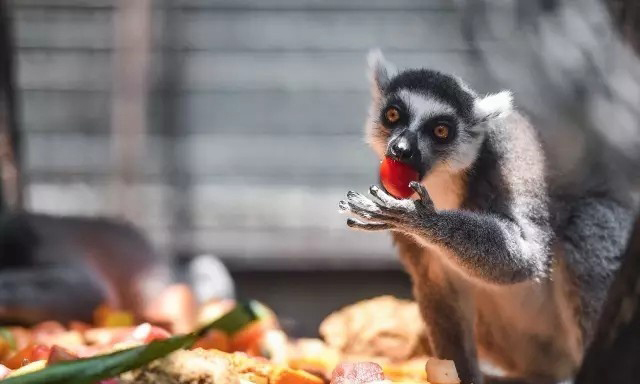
[214,339]
[30,353]
[395,177]
[147,333]
[7,339]
[357,373]
[291,376]
[17,337]
[48,328]
[5,349]
[4,371]
[441,372]
[175,307]
[105,316]
[66,339]
[249,338]
[59,354]
[107,336]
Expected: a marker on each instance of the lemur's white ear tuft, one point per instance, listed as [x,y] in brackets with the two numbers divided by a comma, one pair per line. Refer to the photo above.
[380,70]
[492,106]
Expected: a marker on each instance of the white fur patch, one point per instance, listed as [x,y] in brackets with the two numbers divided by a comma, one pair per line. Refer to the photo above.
[424,107]
[492,106]
[465,152]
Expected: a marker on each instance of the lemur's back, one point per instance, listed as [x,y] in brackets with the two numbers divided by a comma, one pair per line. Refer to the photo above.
[536,324]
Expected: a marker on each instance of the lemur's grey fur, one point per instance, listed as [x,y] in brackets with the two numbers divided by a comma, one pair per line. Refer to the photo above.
[506,265]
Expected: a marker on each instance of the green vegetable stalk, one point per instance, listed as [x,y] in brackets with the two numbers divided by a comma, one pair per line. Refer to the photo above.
[91,370]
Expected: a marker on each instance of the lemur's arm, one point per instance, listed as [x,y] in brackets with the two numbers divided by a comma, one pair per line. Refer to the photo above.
[490,247]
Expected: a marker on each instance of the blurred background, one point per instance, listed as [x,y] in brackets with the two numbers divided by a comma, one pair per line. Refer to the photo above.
[233,128]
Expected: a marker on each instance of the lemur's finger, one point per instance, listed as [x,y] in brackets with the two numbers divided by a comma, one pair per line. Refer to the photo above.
[363,212]
[362,202]
[383,196]
[422,192]
[343,206]
[357,224]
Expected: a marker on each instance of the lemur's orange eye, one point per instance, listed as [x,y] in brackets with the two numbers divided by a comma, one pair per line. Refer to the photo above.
[392,114]
[441,132]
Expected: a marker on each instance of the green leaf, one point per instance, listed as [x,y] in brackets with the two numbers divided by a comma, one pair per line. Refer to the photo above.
[240,316]
[90,370]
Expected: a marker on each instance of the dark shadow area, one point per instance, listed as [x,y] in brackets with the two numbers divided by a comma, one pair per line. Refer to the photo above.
[303,299]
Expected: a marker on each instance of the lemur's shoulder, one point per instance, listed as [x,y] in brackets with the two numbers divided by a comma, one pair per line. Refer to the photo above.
[510,166]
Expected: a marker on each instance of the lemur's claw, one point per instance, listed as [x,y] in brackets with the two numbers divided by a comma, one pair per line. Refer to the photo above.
[383,196]
[422,193]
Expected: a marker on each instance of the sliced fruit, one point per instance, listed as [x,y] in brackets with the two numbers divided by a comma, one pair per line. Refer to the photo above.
[59,354]
[28,354]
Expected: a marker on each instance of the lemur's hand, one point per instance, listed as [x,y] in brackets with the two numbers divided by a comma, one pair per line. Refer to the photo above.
[388,212]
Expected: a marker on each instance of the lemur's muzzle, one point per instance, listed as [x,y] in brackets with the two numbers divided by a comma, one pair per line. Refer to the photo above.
[404,148]
[400,148]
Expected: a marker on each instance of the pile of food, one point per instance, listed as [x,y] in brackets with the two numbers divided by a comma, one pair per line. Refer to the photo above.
[375,340]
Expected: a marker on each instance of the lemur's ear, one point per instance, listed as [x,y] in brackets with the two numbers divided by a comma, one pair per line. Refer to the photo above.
[380,70]
[492,106]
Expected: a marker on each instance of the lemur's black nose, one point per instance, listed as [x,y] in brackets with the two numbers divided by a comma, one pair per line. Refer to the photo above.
[400,148]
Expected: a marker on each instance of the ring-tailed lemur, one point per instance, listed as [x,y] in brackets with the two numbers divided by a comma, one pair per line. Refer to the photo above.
[507,266]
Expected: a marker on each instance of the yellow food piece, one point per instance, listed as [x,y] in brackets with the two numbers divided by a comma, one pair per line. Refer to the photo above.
[104,316]
[309,363]
[67,339]
[410,370]
[290,376]
[253,378]
[31,367]
[119,319]
[442,372]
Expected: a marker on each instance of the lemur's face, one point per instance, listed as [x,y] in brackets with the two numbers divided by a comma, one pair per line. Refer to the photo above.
[427,119]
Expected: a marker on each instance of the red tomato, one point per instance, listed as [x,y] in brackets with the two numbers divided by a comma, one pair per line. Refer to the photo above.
[396,176]
[28,354]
